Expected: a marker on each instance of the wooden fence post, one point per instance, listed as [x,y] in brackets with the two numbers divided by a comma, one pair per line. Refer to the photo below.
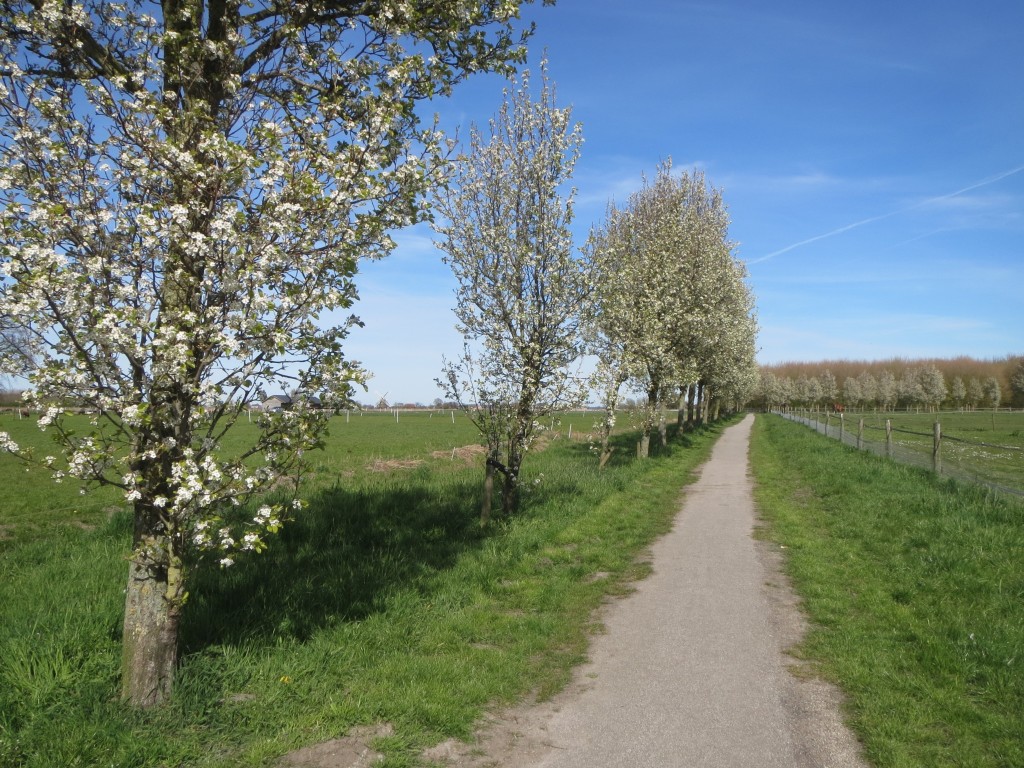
[937,449]
[842,425]
[888,438]
[860,434]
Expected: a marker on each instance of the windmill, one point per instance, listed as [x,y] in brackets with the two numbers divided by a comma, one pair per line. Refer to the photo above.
[382,401]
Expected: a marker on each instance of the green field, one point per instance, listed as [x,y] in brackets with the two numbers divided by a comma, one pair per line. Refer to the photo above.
[915,589]
[987,446]
[357,444]
[384,601]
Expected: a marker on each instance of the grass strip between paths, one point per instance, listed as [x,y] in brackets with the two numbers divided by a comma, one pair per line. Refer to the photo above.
[383,602]
[915,590]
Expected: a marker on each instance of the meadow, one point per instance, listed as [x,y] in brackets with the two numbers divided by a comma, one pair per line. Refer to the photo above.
[983,446]
[914,585]
[383,601]
[386,602]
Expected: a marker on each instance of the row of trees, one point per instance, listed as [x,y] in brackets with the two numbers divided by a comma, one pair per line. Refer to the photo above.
[674,316]
[1004,369]
[185,187]
[656,295]
[920,387]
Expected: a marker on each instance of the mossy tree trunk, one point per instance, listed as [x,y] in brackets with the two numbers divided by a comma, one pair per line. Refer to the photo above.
[154,597]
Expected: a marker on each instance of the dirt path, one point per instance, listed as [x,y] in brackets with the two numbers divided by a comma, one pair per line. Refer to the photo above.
[692,669]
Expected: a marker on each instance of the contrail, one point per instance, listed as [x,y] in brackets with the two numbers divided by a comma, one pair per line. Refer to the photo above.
[862,222]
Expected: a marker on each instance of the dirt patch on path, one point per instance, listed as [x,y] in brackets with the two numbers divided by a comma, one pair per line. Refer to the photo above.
[350,751]
[511,738]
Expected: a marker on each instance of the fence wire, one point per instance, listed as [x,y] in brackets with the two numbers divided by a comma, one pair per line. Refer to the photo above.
[959,458]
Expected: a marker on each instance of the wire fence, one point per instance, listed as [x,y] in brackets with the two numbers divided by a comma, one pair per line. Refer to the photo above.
[995,465]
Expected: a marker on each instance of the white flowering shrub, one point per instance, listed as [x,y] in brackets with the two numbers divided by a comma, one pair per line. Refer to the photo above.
[933,385]
[185,192]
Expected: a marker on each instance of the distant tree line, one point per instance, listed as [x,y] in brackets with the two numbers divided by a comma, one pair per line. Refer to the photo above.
[914,387]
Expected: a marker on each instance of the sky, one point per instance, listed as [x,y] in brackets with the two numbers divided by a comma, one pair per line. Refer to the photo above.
[871,155]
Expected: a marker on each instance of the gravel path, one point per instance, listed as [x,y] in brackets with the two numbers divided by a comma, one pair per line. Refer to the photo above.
[692,669]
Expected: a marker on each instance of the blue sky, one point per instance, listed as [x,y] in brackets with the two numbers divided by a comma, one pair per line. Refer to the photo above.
[871,154]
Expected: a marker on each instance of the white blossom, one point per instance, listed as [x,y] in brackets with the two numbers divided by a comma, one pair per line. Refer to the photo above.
[674,313]
[522,293]
[181,200]
[7,444]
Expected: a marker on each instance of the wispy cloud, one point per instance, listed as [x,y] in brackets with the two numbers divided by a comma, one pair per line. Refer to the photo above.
[889,335]
[928,202]
[620,176]
[800,182]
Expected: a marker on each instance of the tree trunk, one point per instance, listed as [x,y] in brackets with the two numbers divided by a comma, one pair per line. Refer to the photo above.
[691,409]
[606,450]
[510,488]
[153,601]
[611,401]
[654,416]
[662,428]
[510,493]
[485,509]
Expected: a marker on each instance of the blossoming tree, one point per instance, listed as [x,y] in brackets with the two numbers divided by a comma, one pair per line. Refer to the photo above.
[672,309]
[521,291]
[185,190]
[1017,382]
[15,348]
[716,340]
[728,370]
[637,271]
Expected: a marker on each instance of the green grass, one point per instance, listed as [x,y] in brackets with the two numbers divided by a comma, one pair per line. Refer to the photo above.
[30,501]
[987,445]
[915,588]
[383,601]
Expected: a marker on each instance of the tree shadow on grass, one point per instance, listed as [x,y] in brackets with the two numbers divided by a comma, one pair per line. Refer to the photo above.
[679,438]
[337,561]
[624,446]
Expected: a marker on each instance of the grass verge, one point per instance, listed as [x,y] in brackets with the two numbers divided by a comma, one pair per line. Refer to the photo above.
[915,590]
[384,601]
